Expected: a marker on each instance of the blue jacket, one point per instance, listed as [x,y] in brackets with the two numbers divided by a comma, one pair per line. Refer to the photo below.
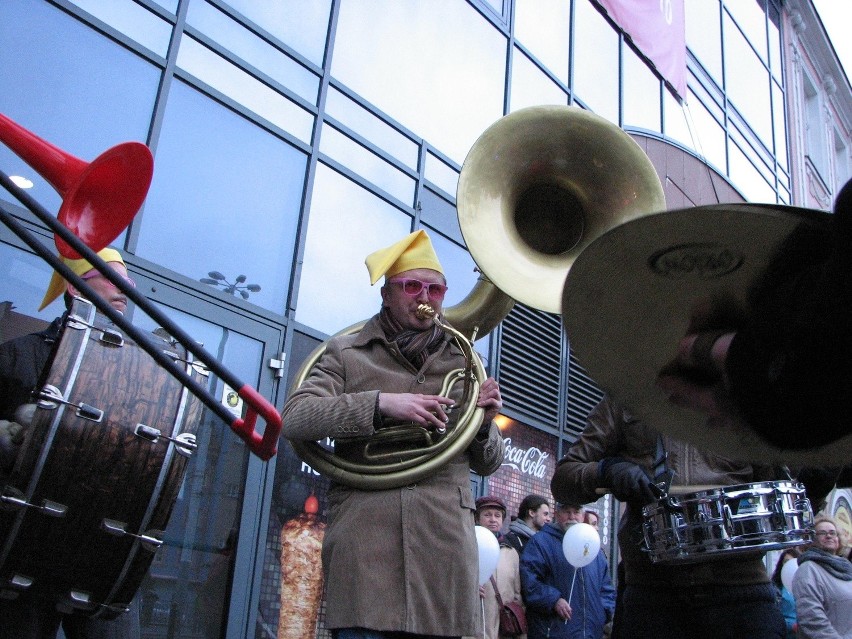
[546,576]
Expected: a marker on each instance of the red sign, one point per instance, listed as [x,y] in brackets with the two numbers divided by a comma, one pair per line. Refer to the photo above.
[658,30]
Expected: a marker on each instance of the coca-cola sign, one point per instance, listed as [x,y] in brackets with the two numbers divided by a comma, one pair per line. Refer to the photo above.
[529,461]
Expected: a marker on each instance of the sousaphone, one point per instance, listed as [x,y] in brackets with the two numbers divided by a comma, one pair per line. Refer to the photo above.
[535,189]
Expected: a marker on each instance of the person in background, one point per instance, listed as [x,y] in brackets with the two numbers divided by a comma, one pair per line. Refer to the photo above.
[822,586]
[785,597]
[564,601]
[490,513]
[398,560]
[592,518]
[22,361]
[533,514]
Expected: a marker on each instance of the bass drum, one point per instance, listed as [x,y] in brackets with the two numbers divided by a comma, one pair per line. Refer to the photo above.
[718,523]
[95,480]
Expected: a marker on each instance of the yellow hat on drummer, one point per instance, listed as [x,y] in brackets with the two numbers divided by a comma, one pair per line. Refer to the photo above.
[81,266]
[411,252]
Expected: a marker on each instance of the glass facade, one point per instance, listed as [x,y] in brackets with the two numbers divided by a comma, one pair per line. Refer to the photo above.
[293,138]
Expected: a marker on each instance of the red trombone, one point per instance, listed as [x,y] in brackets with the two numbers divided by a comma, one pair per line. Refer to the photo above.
[100,199]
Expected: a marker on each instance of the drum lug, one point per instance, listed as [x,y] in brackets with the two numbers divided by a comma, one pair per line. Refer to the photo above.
[13,587]
[112,337]
[184,443]
[50,397]
[15,498]
[149,541]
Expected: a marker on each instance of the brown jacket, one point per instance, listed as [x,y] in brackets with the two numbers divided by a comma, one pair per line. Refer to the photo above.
[403,559]
[612,432]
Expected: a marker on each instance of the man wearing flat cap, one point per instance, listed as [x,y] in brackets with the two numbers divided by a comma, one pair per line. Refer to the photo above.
[22,361]
[400,560]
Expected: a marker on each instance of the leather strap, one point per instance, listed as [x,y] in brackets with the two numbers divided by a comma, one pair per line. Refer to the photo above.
[497,592]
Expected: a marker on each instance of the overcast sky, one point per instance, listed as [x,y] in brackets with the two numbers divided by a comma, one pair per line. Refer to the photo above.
[836,16]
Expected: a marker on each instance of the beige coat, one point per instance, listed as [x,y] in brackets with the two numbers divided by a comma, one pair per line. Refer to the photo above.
[403,559]
[508,580]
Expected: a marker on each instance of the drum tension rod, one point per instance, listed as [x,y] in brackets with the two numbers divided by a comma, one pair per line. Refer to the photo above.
[15,498]
[119,529]
[50,396]
[185,442]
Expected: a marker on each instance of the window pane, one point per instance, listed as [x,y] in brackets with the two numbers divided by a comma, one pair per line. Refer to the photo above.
[248,91]
[260,54]
[596,66]
[704,36]
[360,120]
[437,68]
[748,179]
[225,197]
[641,93]
[531,86]
[747,83]
[25,282]
[542,26]
[775,43]
[752,21]
[74,88]
[676,126]
[780,125]
[346,224]
[710,137]
[298,24]
[441,175]
[133,20]
[349,153]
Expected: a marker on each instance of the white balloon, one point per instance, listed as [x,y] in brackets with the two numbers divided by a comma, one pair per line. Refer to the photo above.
[489,553]
[581,545]
[787,571]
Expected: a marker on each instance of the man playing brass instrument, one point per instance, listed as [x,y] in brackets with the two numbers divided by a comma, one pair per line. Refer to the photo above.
[400,562]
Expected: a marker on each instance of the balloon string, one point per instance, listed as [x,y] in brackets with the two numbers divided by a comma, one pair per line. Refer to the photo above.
[573,579]
[482,608]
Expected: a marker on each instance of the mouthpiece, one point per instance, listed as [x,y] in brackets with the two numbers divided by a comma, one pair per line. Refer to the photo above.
[424,311]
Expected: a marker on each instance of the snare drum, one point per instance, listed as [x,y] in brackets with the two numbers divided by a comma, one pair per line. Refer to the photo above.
[718,523]
[97,476]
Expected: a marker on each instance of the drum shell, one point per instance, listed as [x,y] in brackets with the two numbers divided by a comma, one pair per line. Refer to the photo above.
[96,470]
[719,523]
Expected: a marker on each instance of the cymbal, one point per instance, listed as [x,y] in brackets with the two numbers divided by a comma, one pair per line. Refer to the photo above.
[627,302]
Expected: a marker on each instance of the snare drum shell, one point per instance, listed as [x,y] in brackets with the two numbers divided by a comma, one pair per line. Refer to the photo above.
[719,523]
[96,471]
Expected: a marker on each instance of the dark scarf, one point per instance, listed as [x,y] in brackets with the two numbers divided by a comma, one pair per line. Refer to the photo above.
[837,566]
[415,346]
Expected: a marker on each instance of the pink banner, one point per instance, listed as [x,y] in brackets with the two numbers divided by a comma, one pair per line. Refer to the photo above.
[657,29]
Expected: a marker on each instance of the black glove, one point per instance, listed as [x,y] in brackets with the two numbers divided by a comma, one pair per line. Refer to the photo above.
[628,481]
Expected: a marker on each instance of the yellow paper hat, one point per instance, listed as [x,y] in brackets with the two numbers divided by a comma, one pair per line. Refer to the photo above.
[413,251]
[57,282]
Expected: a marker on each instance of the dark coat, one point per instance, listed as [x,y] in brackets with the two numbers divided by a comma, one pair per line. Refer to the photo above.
[546,576]
[402,559]
[612,432]
[22,361]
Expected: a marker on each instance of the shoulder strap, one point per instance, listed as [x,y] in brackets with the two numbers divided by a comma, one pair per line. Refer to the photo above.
[497,592]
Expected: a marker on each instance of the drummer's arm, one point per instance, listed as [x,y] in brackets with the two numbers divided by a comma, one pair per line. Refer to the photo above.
[577,473]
